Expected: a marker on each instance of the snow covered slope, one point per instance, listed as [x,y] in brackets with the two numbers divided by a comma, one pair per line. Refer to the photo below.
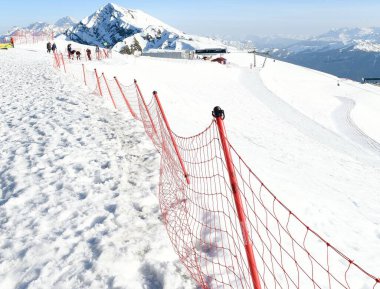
[113,24]
[78,181]
[314,143]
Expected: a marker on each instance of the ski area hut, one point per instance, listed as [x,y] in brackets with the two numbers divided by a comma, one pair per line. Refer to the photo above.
[371,80]
[211,51]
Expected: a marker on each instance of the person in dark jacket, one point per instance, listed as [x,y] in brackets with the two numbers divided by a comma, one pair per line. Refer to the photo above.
[78,54]
[69,50]
[54,47]
[48,46]
[88,51]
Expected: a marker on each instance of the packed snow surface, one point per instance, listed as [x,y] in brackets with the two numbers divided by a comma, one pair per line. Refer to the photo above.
[78,205]
[78,180]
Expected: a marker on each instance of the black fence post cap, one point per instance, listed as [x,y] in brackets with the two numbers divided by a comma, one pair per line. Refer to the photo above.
[218,112]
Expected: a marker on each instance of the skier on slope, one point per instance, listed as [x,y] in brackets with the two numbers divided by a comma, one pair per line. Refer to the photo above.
[13,42]
[54,47]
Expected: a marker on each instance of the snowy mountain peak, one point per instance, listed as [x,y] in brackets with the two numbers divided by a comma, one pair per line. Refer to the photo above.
[113,6]
[350,35]
[125,17]
[113,24]
[109,24]
[67,22]
[367,46]
[39,26]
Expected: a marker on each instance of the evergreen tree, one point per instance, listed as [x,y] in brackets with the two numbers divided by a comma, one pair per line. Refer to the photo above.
[135,46]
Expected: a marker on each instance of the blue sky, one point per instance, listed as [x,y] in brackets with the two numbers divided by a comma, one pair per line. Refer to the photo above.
[239,18]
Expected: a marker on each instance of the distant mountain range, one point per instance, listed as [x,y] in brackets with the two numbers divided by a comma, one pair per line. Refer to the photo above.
[347,52]
[57,28]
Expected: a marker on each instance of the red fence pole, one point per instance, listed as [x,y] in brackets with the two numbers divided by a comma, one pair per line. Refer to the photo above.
[109,91]
[125,99]
[218,113]
[171,137]
[146,107]
[56,57]
[63,61]
[84,75]
[97,80]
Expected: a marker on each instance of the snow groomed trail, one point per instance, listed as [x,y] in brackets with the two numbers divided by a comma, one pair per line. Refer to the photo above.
[202,222]
[78,181]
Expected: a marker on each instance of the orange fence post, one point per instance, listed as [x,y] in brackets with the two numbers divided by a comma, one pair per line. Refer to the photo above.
[218,113]
[63,61]
[84,74]
[125,99]
[146,107]
[98,82]
[186,175]
[109,91]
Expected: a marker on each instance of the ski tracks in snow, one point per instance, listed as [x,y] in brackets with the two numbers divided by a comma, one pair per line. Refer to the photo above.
[77,204]
[343,120]
[316,131]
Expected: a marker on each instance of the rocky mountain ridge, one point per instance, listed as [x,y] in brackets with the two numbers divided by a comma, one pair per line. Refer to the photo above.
[117,27]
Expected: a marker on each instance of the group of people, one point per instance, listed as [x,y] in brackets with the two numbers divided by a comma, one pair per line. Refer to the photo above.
[51,47]
[71,52]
